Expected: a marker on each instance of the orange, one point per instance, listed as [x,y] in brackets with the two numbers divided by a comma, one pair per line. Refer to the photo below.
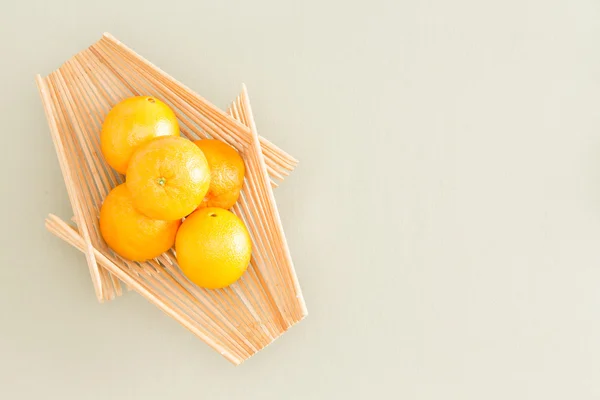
[131,123]
[226,173]
[130,234]
[168,177]
[213,248]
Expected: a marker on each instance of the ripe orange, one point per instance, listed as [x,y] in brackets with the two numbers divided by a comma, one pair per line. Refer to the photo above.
[226,173]
[213,248]
[168,177]
[131,123]
[131,234]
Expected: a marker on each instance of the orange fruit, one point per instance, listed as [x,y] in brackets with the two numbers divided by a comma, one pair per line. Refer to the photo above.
[226,173]
[131,123]
[131,234]
[168,177]
[213,248]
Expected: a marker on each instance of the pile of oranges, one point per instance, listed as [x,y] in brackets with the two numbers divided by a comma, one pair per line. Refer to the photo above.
[176,192]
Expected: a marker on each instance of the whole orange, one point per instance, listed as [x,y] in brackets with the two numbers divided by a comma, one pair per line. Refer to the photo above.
[168,177]
[131,123]
[226,173]
[131,234]
[213,247]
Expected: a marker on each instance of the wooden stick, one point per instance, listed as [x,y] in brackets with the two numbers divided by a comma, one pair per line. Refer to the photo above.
[273,205]
[69,183]
[256,215]
[83,184]
[96,170]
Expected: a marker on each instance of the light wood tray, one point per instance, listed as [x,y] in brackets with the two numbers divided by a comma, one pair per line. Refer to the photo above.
[236,321]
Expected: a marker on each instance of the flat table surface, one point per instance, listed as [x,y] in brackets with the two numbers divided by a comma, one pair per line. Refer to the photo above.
[444,219]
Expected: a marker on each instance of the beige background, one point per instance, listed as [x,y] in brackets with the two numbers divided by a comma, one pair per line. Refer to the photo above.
[444,219]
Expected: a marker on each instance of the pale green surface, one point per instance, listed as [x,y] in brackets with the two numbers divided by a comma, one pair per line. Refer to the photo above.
[444,219]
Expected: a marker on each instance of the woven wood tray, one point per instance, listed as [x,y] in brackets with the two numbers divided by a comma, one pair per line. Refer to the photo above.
[237,321]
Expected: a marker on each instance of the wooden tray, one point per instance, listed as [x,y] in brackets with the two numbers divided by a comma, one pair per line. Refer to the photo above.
[236,321]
